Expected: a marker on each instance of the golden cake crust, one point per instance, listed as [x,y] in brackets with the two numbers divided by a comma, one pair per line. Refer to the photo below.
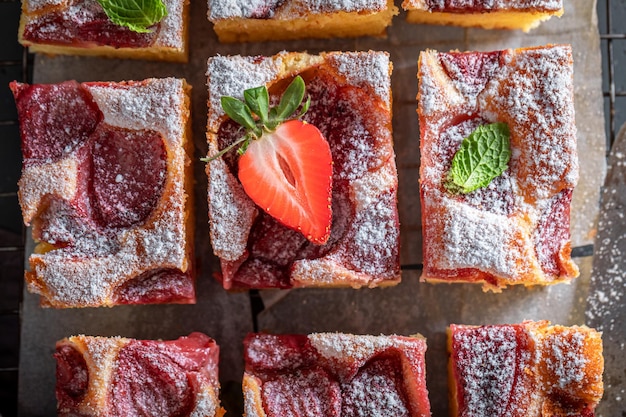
[87,273]
[515,231]
[169,44]
[492,14]
[232,213]
[253,21]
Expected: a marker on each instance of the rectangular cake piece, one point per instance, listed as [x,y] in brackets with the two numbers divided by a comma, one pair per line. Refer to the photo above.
[351,106]
[82,27]
[100,376]
[486,14]
[527,369]
[106,185]
[254,21]
[335,374]
[486,220]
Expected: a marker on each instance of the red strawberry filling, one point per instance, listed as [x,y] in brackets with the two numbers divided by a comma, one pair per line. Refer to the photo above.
[156,378]
[54,118]
[157,287]
[129,169]
[84,23]
[488,366]
[356,150]
[72,376]
[553,232]
[297,381]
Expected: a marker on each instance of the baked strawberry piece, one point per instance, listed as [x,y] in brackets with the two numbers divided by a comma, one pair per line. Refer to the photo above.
[254,21]
[334,374]
[154,30]
[106,185]
[486,14]
[527,369]
[498,166]
[286,213]
[99,376]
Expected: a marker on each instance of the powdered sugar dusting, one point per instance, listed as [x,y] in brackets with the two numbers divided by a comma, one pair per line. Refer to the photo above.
[286,9]
[369,71]
[515,369]
[230,76]
[36,5]
[482,5]
[87,272]
[340,346]
[493,230]
[363,249]
[39,180]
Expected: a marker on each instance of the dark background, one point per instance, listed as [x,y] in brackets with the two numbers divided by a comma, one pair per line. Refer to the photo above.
[17,64]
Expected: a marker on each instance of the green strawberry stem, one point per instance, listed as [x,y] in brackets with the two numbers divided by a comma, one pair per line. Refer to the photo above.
[256,116]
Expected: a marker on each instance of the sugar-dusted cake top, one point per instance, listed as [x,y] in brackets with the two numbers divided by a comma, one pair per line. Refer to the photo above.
[99,376]
[483,5]
[78,22]
[262,9]
[103,184]
[335,374]
[516,229]
[521,369]
[362,247]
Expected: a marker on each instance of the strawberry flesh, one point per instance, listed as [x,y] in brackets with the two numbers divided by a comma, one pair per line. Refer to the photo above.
[288,173]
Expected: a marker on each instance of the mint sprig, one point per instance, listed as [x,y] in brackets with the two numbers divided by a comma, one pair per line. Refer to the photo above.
[256,115]
[483,156]
[137,15]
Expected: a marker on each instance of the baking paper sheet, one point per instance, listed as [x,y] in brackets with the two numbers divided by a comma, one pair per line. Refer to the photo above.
[411,307]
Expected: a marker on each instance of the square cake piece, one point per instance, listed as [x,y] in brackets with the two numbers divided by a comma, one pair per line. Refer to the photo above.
[476,110]
[100,376]
[254,21]
[527,369]
[335,374]
[82,27]
[351,106]
[486,14]
[106,185]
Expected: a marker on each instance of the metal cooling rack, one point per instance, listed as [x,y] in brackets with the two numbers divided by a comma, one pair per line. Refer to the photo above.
[612,24]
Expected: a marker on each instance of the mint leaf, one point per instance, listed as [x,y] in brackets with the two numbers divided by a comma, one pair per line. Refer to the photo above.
[483,156]
[137,15]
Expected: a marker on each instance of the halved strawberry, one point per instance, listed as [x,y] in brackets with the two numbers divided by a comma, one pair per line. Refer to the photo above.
[286,164]
[288,173]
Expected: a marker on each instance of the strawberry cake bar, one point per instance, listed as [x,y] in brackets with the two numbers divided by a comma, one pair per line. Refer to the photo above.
[527,369]
[99,376]
[498,166]
[106,185]
[312,202]
[333,375]
[83,27]
[262,20]
[486,14]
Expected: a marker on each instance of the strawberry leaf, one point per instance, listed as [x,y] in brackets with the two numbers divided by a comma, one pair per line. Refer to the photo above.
[137,15]
[291,99]
[239,112]
[258,100]
[483,156]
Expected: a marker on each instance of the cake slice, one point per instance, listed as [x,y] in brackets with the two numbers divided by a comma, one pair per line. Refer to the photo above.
[527,369]
[334,374]
[513,228]
[351,107]
[486,14]
[100,376]
[106,185]
[254,21]
[83,27]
